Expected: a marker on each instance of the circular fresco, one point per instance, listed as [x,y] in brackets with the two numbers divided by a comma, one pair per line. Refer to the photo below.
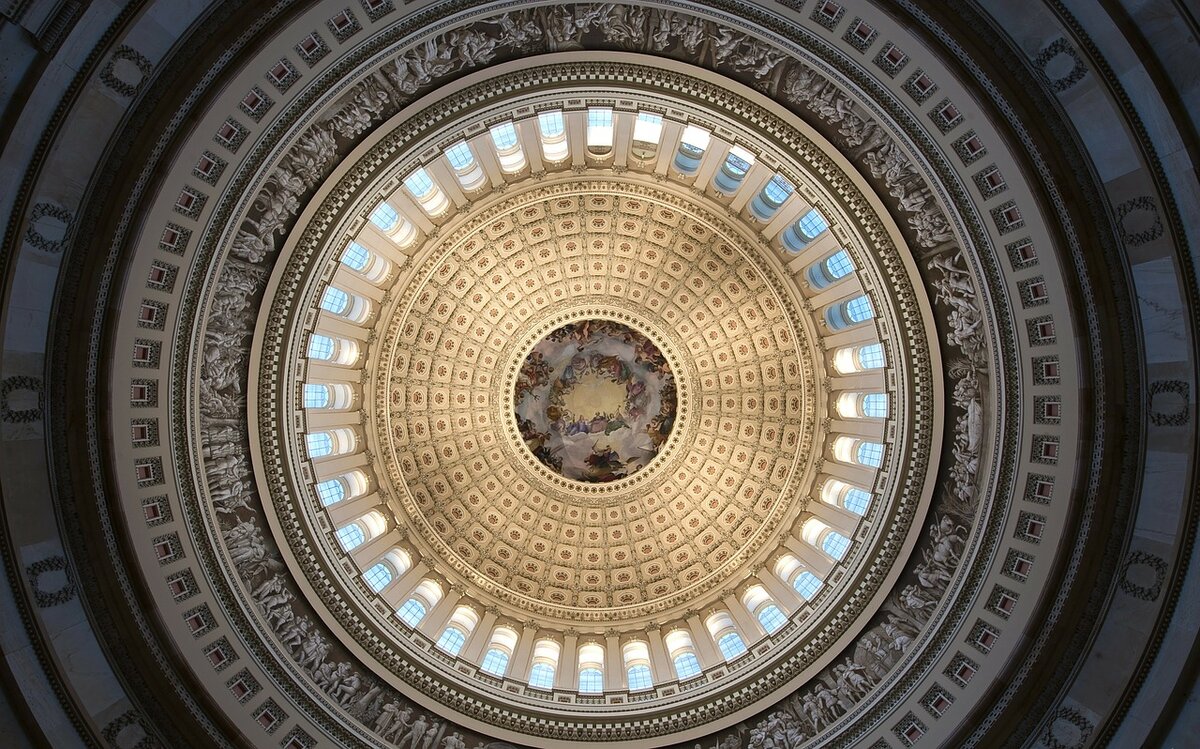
[595,401]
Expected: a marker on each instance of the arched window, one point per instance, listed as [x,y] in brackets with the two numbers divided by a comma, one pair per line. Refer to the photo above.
[851,359]
[551,124]
[422,187]
[647,133]
[394,563]
[773,195]
[851,405]
[771,618]
[733,170]
[636,655]
[335,300]
[870,356]
[466,167]
[874,405]
[316,396]
[508,147]
[869,454]
[759,603]
[807,585]
[412,612]
[682,653]
[419,183]
[724,632]
[460,157]
[858,451]
[553,132]
[495,662]
[692,146]
[838,264]
[777,190]
[454,636]
[356,257]
[320,444]
[500,649]
[320,347]
[639,678]
[599,131]
[833,268]
[686,665]
[807,228]
[591,681]
[331,492]
[856,500]
[591,668]
[504,135]
[545,664]
[378,576]
[849,312]
[812,224]
[351,536]
[337,441]
[385,217]
[425,597]
[452,640]
[859,309]
[541,676]
[731,645]
[835,544]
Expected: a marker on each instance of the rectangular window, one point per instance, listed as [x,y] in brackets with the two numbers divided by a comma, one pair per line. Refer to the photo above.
[1006,602]
[599,129]
[939,705]
[179,588]
[163,551]
[1034,528]
[158,275]
[217,657]
[252,101]
[279,73]
[152,511]
[965,672]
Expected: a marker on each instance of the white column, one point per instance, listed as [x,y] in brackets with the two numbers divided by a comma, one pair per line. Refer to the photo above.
[622,136]
[747,625]
[480,637]
[660,662]
[672,134]
[564,674]
[752,185]
[402,587]
[531,143]
[706,649]
[785,595]
[614,665]
[522,659]
[435,620]
[576,124]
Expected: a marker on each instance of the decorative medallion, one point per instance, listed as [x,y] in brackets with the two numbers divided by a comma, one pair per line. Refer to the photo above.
[595,401]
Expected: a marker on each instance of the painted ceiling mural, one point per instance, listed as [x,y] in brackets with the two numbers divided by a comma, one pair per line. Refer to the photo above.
[595,401]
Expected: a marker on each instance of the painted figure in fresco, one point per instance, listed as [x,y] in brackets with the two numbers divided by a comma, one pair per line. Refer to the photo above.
[595,400]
